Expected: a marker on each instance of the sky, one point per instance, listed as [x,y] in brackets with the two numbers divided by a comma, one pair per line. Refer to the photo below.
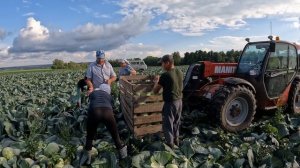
[35,32]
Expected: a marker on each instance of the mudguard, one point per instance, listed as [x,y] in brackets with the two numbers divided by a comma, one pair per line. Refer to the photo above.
[238,81]
[296,79]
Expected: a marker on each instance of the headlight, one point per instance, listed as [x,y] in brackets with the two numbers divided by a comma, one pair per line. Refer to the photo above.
[253,72]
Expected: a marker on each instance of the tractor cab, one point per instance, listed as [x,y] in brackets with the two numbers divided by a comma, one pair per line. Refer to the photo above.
[270,66]
[266,77]
[251,60]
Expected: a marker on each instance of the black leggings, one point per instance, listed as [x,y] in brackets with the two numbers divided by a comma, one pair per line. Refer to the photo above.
[96,116]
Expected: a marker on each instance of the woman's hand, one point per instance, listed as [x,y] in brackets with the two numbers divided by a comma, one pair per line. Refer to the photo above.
[156,79]
[108,82]
[90,91]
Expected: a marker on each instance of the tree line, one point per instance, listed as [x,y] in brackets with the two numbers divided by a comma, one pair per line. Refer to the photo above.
[192,57]
[187,59]
[60,64]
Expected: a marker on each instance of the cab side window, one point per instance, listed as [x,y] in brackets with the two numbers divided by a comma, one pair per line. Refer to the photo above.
[279,59]
[292,57]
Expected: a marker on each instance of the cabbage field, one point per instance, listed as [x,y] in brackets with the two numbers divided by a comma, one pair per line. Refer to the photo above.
[40,126]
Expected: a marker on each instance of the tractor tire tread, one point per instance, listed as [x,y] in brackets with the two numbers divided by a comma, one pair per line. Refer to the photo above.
[294,88]
[219,102]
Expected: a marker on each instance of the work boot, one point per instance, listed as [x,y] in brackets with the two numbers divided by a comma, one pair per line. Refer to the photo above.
[171,145]
[176,142]
[86,157]
[123,152]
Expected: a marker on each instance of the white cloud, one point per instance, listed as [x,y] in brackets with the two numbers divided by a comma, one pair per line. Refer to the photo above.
[132,50]
[21,59]
[74,9]
[37,44]
[225,43]
[25,1]
[89,37]
[3,34]
[38,4]
[98,15]
[29,14]
[296,25]
[295,22]
[291,19]
[194,17]
[4,52]
[34,31]
[129,50]
[90,11]
[86,9]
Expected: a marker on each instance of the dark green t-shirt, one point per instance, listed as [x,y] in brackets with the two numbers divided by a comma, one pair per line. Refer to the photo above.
[172,82]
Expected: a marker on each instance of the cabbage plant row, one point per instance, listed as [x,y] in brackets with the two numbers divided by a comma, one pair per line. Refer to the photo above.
[40,126]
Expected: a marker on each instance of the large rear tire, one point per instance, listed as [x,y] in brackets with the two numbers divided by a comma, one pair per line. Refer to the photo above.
[234,107]
[294,99]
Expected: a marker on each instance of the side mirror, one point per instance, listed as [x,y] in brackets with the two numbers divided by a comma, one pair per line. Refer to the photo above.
[272,46]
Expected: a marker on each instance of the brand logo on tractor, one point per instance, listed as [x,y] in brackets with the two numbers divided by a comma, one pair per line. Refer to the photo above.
[225,69]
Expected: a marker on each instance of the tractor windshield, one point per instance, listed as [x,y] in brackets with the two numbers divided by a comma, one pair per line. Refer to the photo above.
[253,57]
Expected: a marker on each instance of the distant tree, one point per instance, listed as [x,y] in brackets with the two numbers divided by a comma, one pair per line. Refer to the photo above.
[151,61]
[177,58]
[186,58]
[233,56]
[199,55]
[114,63]
[58,64]
[84,65]
[73,65]
[221,56]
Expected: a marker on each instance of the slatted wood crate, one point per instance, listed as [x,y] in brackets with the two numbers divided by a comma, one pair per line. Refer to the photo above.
[142,112]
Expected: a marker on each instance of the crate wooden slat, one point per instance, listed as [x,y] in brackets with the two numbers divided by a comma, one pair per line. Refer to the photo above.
[148,119]
[127,120]
[135,77]
[151,107]
[142,112]
[124,92]
[127,110]
[143,88]
[148,107]
[126,85]
[150,129]
[136,100]
[154,98]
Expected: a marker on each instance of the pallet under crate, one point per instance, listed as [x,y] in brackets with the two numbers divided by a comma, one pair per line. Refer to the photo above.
[142,112]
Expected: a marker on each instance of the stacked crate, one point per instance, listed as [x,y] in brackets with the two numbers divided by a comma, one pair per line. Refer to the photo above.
[142,110]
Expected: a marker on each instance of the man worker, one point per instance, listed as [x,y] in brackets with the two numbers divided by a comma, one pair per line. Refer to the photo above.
[82,83]
[99,72]
[101,111]
[171,81]
[125,68]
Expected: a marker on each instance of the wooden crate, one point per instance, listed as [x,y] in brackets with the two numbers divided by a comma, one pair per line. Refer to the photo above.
[142,112]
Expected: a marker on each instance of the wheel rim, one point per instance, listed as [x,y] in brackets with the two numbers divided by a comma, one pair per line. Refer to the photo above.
[297,100]
[237,111]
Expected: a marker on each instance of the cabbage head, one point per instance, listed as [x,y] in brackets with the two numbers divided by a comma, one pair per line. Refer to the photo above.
[51,149]
[60,163]
[171,166]
[3,160]
[8,153]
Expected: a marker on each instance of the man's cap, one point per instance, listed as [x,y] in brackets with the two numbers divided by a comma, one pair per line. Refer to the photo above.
[123,61]
[166,58]
[105,87]
[100,54]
